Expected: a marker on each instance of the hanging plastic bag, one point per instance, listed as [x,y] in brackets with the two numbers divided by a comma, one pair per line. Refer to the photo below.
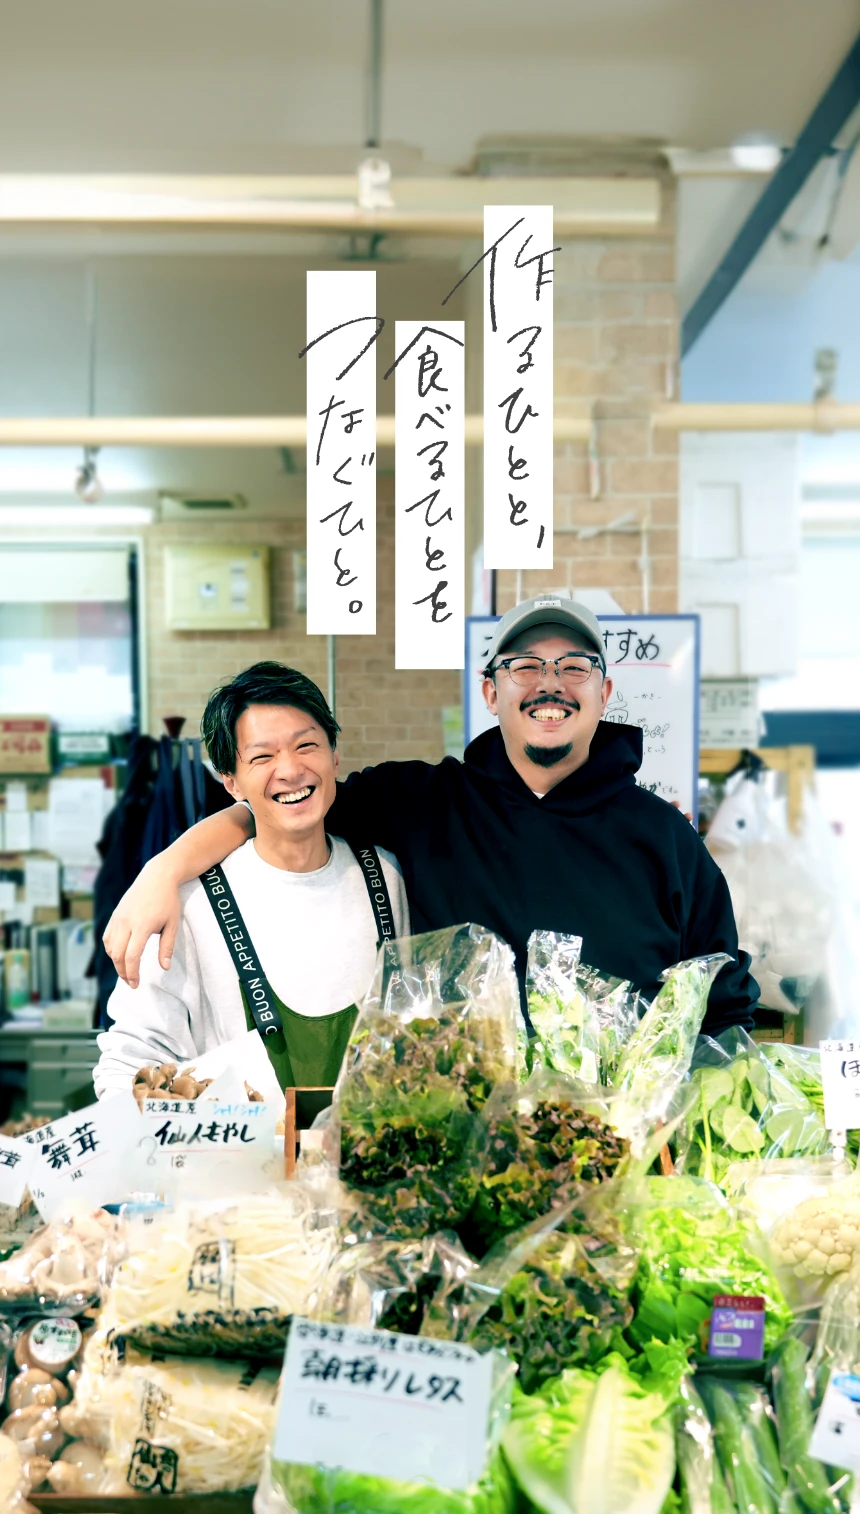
[782,900]
[436,1032]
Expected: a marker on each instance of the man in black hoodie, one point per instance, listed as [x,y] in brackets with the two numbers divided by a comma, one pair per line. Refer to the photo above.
[542,826]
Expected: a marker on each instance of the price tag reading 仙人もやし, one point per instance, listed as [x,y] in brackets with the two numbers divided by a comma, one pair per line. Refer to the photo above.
[385,1405]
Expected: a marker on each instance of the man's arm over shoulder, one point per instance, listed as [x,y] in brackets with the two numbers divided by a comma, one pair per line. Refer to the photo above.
[151,1023]
[379,803]
[711,928]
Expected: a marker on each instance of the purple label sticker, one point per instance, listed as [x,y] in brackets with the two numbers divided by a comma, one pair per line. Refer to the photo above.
[737,1328]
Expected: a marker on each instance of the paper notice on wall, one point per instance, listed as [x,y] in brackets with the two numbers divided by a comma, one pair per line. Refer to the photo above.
[340,357]
[518,386]
[17,831]
[429,498]
[42,882]
[16,798]
[77,808]
[8,896]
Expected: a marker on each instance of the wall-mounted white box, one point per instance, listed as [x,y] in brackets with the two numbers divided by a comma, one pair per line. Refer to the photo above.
[217,588]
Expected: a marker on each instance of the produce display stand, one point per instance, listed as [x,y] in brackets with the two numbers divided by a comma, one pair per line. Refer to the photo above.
[798,764]
[178,1503]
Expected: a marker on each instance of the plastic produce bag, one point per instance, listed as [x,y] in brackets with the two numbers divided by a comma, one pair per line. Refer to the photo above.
[745,1108]
[436,1032]
[220,1277]
[782,900]
[657,1057]
[174,1425]
[289,1488]
[703,1488]
[13,1482]
[58,1271]
[817,1490]
[819,1238]
[746,1444]
[551,1295]
[693,1248]
[581,1021]
[388,1284]
[544,1139]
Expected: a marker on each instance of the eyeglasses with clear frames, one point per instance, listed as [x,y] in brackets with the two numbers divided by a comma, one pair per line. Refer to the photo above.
[571,669]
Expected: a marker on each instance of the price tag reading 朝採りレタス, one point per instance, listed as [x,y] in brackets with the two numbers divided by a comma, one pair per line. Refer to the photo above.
[840,1077]
[384,1405]
[836,1437]
[737,1328]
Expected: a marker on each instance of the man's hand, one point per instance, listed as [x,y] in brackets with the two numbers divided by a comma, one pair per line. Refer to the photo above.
[150,907]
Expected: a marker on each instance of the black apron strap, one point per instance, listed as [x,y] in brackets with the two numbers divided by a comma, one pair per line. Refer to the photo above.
[259,993]
[377,890]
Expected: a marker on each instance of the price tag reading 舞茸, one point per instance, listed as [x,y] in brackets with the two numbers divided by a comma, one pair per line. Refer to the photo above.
[840,1078]
[836,1437]
[385,1405]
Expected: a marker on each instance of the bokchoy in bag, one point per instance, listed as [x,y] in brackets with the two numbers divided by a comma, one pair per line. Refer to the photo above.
[437,1031]
[581,1021]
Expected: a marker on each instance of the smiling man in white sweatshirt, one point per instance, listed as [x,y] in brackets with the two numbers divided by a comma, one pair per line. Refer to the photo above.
[282,936]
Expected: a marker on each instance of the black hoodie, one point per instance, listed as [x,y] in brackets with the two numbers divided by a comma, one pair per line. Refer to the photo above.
[597,857]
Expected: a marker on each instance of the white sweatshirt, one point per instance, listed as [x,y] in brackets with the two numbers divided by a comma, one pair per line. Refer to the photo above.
[315,936]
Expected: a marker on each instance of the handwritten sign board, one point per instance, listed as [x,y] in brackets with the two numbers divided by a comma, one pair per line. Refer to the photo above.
[653,661]
[190,1146]
[84,1156]
[16,1159]
[518,386]
[840,1081]
[429,499]
[342,328]
[385,1405]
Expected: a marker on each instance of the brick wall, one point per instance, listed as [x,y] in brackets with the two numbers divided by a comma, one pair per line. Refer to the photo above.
[616,349]
[383,713]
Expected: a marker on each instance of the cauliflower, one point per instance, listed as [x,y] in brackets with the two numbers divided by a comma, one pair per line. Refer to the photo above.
[820,1236]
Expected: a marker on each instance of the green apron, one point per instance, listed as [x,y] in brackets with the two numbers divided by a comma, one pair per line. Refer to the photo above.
[306,1051]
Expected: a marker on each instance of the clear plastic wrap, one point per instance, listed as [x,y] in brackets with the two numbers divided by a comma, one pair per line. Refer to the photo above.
[658,1054]
[820,1236]
[436,1032]
[59,1269]
[168,1426]
[551,1295]
[693,1247]
[14,1484]
[703,1488]
[220,1277]
[544,1139]
[388,1284]
[746,1444]
[745,1108]
[818,1491]
[290,1488]
[581,1021]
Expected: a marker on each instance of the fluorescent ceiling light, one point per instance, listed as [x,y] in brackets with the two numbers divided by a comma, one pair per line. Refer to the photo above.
[76,515]
[756,157]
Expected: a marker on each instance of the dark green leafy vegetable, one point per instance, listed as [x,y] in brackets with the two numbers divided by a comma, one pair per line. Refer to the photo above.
[541,1147]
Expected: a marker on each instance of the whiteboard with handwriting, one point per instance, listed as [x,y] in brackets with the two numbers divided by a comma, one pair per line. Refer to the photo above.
[653,661]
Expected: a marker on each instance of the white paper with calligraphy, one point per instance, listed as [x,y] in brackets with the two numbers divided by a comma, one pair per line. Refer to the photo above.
[16,1159]
[384,1405]
[202,1147]
[653,661]
[840,1078]
[85,1156]
[341,454]
[429,498]
[518,386]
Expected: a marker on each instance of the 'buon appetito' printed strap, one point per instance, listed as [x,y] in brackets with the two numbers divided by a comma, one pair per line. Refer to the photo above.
[259,993]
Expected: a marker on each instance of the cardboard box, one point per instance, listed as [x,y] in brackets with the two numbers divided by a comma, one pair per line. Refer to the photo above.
[25,744]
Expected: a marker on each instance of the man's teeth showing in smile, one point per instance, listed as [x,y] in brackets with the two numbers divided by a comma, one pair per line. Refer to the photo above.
[549,714]
[295,798]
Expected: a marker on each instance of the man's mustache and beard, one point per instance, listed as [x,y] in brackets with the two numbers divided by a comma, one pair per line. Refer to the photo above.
[548,756]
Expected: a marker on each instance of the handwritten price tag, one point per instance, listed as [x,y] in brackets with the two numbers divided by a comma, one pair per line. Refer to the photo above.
[16,1160]
[191,1146]
[384,1405]
[840,1077]
[84,1155]
[836,1437]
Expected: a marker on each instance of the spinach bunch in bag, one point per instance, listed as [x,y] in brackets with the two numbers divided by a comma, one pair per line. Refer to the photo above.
[437,1031]
[544,1139]
[744,1109]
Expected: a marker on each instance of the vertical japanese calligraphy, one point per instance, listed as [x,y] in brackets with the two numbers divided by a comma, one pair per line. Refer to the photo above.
[342,327]
[518,386]
[429,533]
